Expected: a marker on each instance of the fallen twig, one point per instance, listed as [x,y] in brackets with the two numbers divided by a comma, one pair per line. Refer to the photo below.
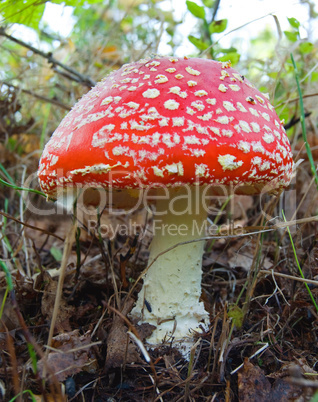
[40,97]
[294,278]
[75,75]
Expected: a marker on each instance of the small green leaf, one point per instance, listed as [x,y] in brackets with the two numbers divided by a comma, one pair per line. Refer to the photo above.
[56,254]
[233,57]
[218,26]
[195,9]
[263,89]
[315,397]
[231,49]
[98,64]
[28,13]
[237,314]
[294,22]
[198,43]
[314,76]
[273,74]
[208,3]
[306,47]
[75,3]
[292,36]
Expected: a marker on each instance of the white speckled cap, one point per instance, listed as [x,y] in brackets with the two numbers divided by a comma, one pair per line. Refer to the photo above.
[167,121]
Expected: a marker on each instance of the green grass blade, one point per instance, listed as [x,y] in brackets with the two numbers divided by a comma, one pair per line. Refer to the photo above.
[302,121]
[4,170]
[30,190]
[8,276]
[217,218]
[33,358]
[299,267]
[3,302]
[28,391]
[44,126]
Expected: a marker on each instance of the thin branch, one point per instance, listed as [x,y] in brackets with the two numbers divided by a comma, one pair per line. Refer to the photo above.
[59,291]
[40,97]
[75,75]
[293,278]
[31,226]
[215,9]
[296,99]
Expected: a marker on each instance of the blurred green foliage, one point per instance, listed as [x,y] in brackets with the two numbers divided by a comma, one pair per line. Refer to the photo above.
[105,35]
[109,33]
[208,28]
[30,12]
[265,58]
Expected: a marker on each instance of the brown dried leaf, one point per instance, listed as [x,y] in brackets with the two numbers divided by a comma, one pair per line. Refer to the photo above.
[9,317]
[252,384]
[71,355]
[120,349]
[313,143]
[50,398]
[284,391]
[47,305]
[58,224]
[243,256]
[242,204]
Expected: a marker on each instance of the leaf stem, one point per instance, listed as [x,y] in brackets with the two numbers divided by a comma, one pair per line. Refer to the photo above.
[30,190]
[299,267]
[302,121]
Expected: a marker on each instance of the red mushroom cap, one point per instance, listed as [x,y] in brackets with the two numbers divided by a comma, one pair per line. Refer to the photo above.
[168,121]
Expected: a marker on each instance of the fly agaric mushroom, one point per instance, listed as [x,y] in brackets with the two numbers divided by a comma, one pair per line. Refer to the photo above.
[166,123]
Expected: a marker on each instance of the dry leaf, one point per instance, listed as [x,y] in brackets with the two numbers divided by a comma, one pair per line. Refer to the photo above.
[252,384]
[47,305]
[73,354]
[120,349]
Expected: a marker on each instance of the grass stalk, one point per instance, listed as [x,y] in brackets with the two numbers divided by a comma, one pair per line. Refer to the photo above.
[5,172]
[299,267]
[44,126]
[3,302]
[29,392]
[30,190]
[302,121]
[218,217]
[8,276]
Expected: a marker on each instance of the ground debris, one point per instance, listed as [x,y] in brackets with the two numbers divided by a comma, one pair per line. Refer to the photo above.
[70,353]
[120,349]
[47,305]
[253,385]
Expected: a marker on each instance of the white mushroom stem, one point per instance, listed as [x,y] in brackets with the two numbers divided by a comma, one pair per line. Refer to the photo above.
[170,297]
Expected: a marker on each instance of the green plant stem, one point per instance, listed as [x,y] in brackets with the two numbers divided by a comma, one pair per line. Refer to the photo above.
[4,170]
[5,238]
[218,218]
[33,357]
[302,121]
[44,126]
[30,190]
[3,302]
[28,391]
[299,267]
[8,276]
